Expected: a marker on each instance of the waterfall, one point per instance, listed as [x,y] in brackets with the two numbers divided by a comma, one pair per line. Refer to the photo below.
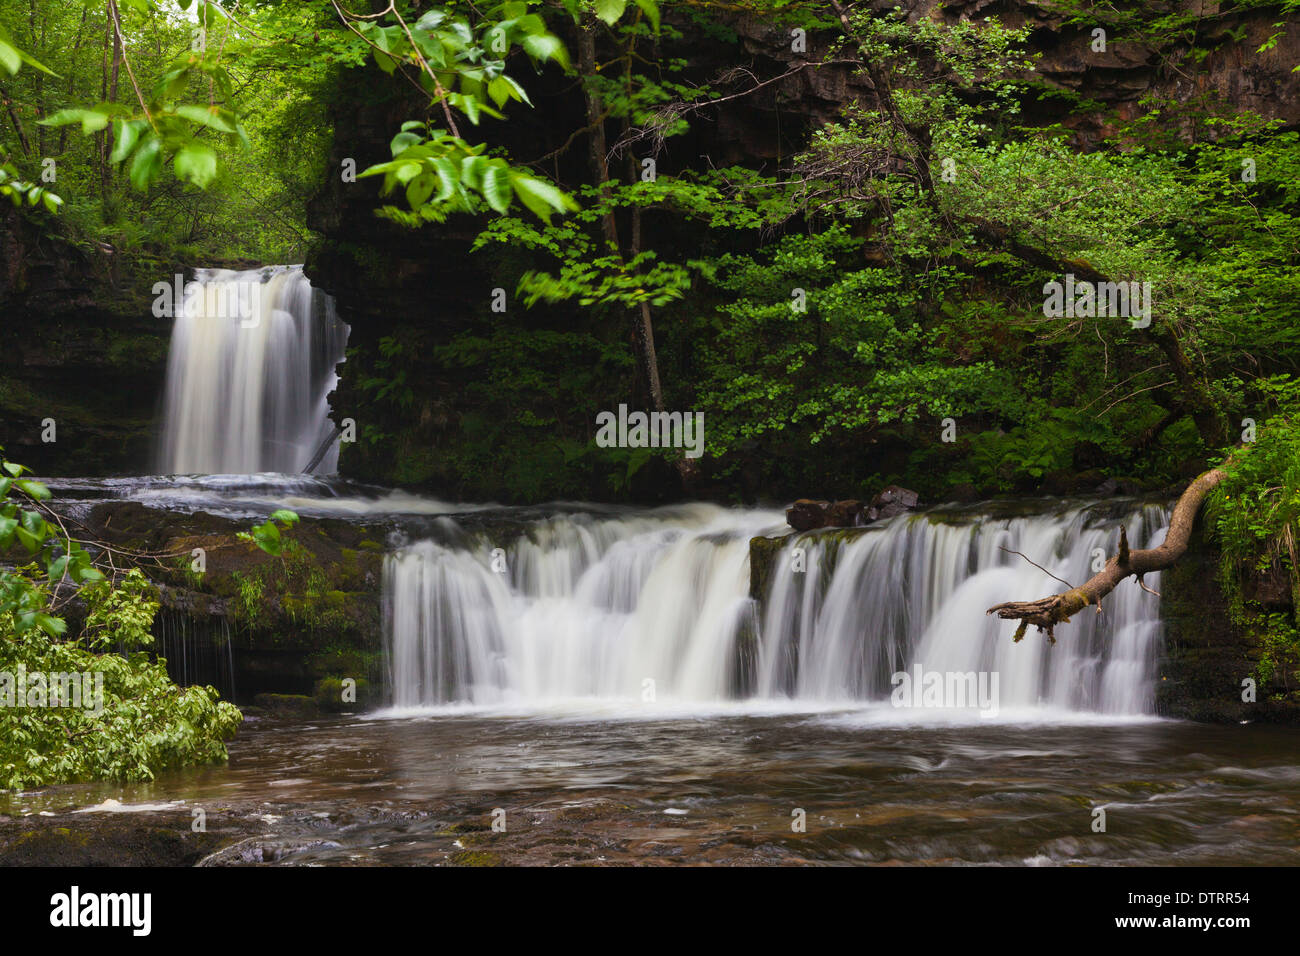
[656,606]
[251,365]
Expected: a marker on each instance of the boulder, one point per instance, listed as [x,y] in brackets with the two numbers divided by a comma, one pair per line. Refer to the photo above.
[806,514]
[845,514]
[892,500]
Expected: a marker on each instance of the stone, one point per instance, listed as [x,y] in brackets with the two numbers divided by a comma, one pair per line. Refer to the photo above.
[845,514]
[807,515]
[892,500]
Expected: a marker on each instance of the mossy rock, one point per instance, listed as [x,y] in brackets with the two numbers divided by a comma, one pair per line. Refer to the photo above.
[475,858]
[329,694]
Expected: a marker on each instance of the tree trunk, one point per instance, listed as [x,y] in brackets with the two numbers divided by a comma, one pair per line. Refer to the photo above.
[642,338]
[18,123]
[1046,613]
[106,177]
[72,75]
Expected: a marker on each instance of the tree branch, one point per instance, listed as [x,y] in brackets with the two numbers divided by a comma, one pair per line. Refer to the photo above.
[1046,613]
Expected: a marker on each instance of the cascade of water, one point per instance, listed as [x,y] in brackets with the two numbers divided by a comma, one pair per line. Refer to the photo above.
[615,607]
[250,368]
[915,593]
[193,649]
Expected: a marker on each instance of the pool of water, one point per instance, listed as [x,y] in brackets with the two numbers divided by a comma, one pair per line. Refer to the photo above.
[578,785]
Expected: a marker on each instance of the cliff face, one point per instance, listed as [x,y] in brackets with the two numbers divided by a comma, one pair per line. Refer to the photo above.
[81,348]
[1209,656]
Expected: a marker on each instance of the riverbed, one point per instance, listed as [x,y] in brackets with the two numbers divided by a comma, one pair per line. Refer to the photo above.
[606,785]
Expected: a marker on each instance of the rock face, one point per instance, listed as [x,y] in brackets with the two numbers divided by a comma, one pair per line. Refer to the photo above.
[81,348]
[294,625]
[1208,655]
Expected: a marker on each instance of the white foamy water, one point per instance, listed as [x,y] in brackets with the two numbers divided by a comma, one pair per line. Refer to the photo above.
[248,375]
[651,614]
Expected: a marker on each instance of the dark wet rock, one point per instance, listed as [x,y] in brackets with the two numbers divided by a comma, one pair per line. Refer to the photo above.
[100,839]
[1270,588]
[806,514]
[845,514]
[890,502]
[288,705]
[1207,654]
[264,850]
[252,623]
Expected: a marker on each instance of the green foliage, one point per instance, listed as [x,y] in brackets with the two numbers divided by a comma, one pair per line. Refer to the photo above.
[18,189]
[806,343]
[1254,515]
[57,557]
[126,719]
[461,64]
[142,724]
[267,535]
[439,173]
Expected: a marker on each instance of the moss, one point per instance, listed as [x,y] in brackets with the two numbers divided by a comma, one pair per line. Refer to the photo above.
[475,858]
[329,691]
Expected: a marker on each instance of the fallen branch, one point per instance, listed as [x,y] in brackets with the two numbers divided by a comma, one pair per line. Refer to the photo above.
[1046,613]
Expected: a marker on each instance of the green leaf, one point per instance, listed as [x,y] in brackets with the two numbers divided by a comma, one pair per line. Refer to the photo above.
[431,20]
[29,540]
[420,189]
[403,140]
[496,188]
[126,133]
[471,172]
[33,488]
[197,162]
[499,90]
[206,116]
[34,523]
[285,516]
[51,625]
[267,537]
[147,162]
[450,177]
[651,10]
[545,48]
[91,120]
[10,59]
[540,197]
[610,10]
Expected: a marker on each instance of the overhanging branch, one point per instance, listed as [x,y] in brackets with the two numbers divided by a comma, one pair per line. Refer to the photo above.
[1046,613]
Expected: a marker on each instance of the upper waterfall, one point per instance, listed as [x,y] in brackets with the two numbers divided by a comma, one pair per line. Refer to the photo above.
[251,365]
[586,606]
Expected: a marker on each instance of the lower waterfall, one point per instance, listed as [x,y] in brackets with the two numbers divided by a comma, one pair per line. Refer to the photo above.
[250,368]
[657,606]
